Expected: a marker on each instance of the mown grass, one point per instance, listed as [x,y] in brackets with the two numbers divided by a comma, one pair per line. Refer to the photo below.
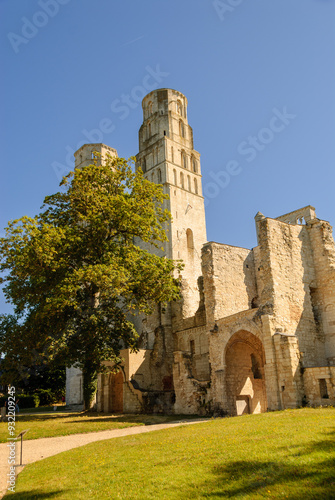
[288,454]
[64,424]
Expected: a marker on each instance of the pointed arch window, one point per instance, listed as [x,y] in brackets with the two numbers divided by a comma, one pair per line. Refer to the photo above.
[194,165]
[182,180]
[159,176]
[179,108]
[195,186]
[174,177]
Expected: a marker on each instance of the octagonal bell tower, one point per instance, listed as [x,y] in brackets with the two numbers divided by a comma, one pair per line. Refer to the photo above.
[167,156]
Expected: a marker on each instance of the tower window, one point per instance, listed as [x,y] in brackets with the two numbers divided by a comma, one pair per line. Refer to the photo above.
[195,186]
[175,178]
[189,183]
[194,165]
[164,132]
[172,154]
[149,129]
[189,238]
[159,175]
[150,108]
[144,165]
[181,128]
[179,108]
[183,159]
[182,180]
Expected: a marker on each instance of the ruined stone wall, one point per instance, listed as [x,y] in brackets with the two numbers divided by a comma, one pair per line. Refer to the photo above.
[289,370]
[319,385]
[323,288]
[191,371]
[286,273]
[229,280]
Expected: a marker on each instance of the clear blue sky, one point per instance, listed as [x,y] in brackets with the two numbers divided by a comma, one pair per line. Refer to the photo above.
[241,64]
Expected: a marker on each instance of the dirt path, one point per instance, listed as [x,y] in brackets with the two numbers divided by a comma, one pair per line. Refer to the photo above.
[38,449]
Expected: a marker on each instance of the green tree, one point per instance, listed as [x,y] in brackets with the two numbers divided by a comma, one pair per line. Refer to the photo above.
[74,272]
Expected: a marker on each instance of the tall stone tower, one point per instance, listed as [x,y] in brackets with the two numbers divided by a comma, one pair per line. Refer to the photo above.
[167,156]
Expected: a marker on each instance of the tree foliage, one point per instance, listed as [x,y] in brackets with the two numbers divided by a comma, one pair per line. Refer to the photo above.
[74,272]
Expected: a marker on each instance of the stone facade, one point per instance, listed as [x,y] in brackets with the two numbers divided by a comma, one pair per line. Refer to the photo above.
[255,329]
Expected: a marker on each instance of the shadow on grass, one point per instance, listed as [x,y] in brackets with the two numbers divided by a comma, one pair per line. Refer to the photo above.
[104,417]
[313,479]
[32,495]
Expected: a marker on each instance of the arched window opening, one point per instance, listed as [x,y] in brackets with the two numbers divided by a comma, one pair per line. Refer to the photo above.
[179,108]
[195,186]
[172,154]
[149,130]
[189,238]
[144,165]
[182,180]
[194,165]
[156,154]
[152,177]
[183,159]
[181,128]
[150,108]
[159,176]
[175,178]
[189,183]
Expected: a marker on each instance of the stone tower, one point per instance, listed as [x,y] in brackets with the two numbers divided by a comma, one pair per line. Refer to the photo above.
[86,154]
[167,156]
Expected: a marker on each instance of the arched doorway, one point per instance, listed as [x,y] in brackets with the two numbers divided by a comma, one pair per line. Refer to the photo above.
[116,392]
[245,384]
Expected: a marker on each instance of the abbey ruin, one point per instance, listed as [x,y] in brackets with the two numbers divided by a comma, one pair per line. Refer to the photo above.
[255,329]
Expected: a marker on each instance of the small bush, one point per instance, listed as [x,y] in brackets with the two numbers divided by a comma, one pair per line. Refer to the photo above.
[46,397]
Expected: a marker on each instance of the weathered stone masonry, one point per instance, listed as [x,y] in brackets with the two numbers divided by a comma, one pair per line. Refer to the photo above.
[255,329]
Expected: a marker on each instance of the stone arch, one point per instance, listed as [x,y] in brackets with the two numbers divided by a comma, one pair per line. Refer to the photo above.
[245,377]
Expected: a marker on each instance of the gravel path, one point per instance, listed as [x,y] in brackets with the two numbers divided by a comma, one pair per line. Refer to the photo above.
[38,449]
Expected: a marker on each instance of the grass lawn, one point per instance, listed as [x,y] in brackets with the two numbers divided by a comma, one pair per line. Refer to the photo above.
[289,454]
[64,424]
